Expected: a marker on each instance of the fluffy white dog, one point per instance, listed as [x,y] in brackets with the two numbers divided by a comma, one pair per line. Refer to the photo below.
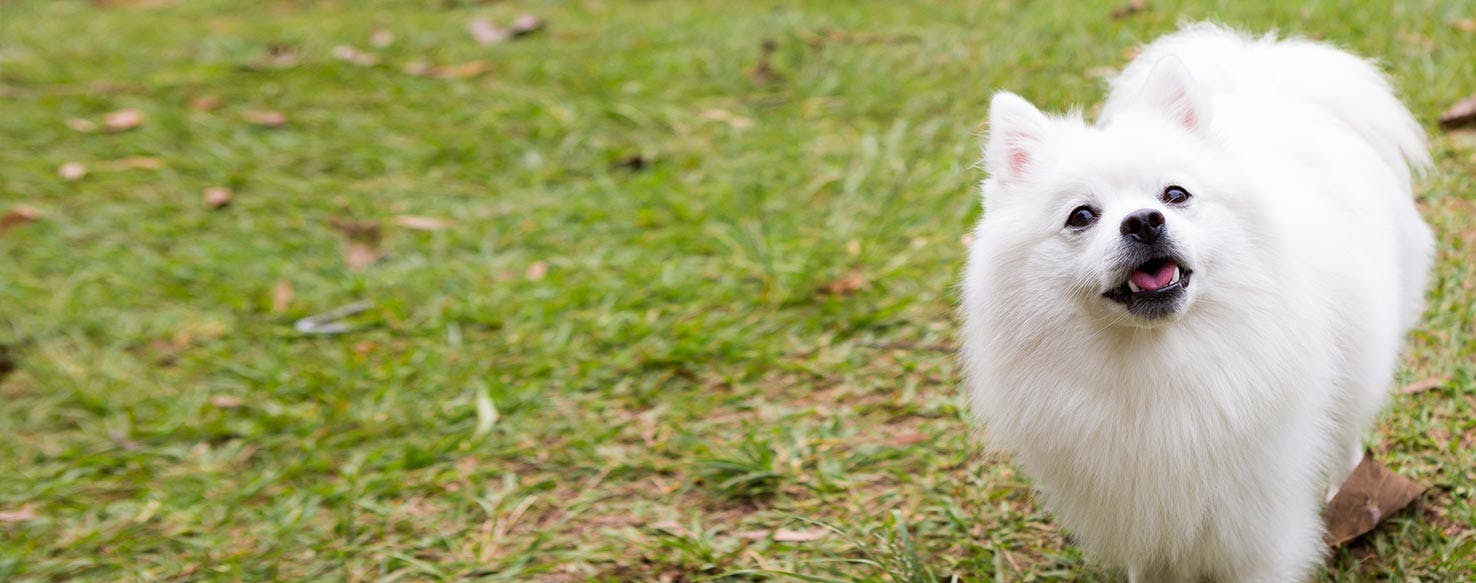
[1182,318]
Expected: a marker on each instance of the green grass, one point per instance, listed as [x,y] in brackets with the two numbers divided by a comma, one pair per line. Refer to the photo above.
[680,395]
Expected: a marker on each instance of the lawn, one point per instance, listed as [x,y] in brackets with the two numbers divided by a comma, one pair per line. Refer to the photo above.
[645,301]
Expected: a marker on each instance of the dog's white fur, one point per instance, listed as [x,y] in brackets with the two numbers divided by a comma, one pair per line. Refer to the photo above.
[1200,445]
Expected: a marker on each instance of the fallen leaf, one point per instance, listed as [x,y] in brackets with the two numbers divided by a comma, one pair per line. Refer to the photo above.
[218,197]
[486,33]
[1421,386]
[672,527]
[847,284]
[419,223]
[359,255]
[418,68]
[462,71]
[225,401]
[281,296]
[71,171]
[134,163]
[526,24]
[355,56]
[1129,9]
[361,242]
[537,270]
[85,126]
[16,217]
[906,437]
[785,535]
[205,103]
[728,117]
[266,118]
[1370,495]
[22,514]
[123,120]
[1464,25]
[1459,114]
[381,37]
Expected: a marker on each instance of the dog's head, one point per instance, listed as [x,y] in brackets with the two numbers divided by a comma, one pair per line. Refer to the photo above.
[1126,218]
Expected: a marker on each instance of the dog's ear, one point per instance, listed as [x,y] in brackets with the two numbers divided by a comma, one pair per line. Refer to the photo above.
[1016,129]
[1171,91]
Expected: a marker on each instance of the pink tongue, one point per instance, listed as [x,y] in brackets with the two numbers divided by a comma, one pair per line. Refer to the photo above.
[1157,280]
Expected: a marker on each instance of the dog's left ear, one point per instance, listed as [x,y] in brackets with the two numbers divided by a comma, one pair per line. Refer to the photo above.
[1170,90]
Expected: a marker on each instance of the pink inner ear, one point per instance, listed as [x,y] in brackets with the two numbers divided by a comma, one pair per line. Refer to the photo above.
[1178,105]
[1019,159]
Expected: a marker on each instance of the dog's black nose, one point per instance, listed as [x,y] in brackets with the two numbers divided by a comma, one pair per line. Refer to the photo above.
[1143,225]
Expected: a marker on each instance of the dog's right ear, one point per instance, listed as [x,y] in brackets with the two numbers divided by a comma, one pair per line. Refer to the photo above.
[1016,130]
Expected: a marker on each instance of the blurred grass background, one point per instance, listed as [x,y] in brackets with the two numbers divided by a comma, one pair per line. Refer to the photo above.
[684,316]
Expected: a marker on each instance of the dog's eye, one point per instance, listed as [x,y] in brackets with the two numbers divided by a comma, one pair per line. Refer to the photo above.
[1175,195]
[1081,216]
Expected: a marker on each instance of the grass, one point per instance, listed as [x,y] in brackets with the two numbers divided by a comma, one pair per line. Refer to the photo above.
[682,326]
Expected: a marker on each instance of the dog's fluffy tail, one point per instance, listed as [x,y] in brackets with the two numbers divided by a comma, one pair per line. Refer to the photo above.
[1350,88]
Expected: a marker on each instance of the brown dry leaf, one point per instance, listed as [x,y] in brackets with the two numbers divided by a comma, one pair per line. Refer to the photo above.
[281,296]
[419,223]
[355,56]
[134,163]
[71,171]
[724,116]
[205,103]
[266,118]
[1421,386]
[1459,114]
[85,126]
[526,24]
[906,437]
[1129,9]
[123,120]
[1370,495]
[486,33]
[537,270]
[218,197]
[462,71]
[418,68]
[361,242]
[1464,25]
[672,527]
[358,255]
[785,535]
[226,401]
[381,37]
[22,514]
[18,216]
[847,284]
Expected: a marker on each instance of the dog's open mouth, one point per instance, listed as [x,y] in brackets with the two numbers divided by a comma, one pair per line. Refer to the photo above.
[1152,287]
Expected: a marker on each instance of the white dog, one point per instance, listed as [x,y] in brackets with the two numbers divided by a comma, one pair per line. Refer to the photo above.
[1182,318]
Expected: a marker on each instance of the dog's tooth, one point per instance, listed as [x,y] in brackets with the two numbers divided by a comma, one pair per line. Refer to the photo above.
[1176,277]
[1133,287]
